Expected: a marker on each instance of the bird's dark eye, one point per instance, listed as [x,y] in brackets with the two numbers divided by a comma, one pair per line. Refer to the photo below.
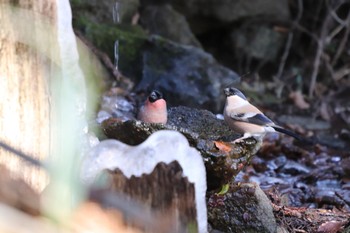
[233,91]
[155,95]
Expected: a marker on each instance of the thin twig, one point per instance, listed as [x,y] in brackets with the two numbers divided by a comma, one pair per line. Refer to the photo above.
[334,14]
[334,33]
[321,43]
[22,155]
[290,40]
[343,41]
[342,72]
[320,46]
[285,55]
[119,77]
[328,65]
[316,65]
[306,31]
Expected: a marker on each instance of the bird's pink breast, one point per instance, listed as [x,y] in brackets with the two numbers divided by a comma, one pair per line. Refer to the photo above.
[155,112]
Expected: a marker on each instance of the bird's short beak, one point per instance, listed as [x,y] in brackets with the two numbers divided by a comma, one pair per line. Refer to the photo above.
[227,91]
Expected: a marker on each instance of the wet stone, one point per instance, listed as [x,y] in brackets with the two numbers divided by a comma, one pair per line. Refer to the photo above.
[279,161]
[328,184]
[346,186]
[271,181]
[209,135]
[327,197]
[259,164]
[345,164]
[244,208]
[294,168]
[345,196]
[293,197]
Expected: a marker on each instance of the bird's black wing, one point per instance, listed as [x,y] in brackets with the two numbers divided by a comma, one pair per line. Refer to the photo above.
[253,118]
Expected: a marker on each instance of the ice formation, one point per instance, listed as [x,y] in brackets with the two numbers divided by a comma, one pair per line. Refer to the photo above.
[163,146]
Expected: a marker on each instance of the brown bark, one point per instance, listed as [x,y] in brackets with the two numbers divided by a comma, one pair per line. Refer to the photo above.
[165,191]
[26,62]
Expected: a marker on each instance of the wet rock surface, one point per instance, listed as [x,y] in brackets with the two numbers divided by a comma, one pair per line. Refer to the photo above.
[230,11]
[244,208]
[209,135]
[164,21]
[296,178]
[291,176]
[301,177]
[185,74]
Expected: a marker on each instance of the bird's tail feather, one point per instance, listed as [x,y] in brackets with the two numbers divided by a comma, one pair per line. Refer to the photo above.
[292,134]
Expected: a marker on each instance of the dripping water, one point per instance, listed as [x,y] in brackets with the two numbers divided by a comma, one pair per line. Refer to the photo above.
[116,54]
[116,17]
[116,20]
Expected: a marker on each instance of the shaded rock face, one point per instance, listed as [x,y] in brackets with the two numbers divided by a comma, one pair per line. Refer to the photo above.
[244,208]
[166,22]
[210,136]
[228,11]
[256,41]
[101,11]
[186,75]
[238,33]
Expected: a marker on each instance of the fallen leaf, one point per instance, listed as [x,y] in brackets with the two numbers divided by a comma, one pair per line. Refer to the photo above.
[299,100]
[324,112]
[223,146]
[330,227]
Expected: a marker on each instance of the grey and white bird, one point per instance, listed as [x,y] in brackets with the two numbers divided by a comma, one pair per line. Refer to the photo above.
[154,110]
[246,119]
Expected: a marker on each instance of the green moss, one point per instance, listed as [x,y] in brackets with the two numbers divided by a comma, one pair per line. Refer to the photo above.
[75,3]
[103,36]
[192,227]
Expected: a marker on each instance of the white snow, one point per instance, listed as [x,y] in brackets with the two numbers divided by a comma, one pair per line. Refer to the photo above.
[163,146]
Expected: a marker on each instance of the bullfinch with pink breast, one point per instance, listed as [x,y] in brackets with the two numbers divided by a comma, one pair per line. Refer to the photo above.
[154,109]
[246,119]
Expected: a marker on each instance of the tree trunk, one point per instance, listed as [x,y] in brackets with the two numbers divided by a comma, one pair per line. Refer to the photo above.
[25,65]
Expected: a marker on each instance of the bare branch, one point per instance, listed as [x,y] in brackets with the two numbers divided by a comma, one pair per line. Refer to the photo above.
[334,33]
[342,42]
[326,60]
[306,31]
[334,14]
[316,66]
[321,42]
[290,40]
[339,74]
[285,55]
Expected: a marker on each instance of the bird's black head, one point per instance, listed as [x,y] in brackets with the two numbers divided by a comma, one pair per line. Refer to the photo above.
[230,91]
[154,96]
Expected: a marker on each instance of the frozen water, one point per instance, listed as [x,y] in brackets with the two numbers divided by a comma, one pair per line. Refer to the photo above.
[116,17]
[219,116]
[102,115]
[162,146]
[115,106]
[123,105]
[116,54]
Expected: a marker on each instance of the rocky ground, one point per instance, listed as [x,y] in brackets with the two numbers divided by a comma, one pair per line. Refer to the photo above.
[290,59]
